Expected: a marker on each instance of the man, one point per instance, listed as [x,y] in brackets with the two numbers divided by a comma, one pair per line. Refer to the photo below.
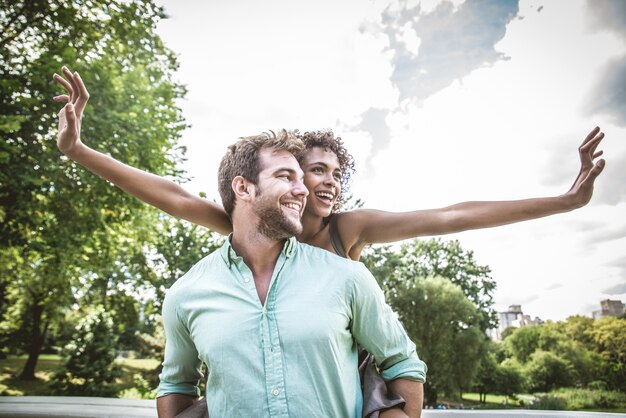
[276,320]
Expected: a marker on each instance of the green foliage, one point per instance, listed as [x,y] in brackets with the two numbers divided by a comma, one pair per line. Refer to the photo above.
[141,389]
[549,402]
[580,399]
[152,344]
[89,368]
[444,325]
[523,342]
[495,378]
[547,371]
[444,299]
[178,247]
[65,235]
[578,328]
[434,257]
[573,353]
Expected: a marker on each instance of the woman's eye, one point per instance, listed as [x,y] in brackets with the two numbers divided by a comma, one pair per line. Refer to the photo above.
[317,170]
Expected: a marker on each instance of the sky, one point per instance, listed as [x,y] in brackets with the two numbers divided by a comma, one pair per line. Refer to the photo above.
[439,102]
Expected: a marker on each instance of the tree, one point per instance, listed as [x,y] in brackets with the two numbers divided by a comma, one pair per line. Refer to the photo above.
[89,368]
[434,257]
[59,224]
[445,327]
[578,328]
[609,337]
[510,380]
[497,378]
[547,371]
[464,287]
[486,378]
[523,342]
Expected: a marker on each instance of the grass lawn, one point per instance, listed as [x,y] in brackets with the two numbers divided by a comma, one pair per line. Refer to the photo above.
[470,400]
[492,401]
[49,363]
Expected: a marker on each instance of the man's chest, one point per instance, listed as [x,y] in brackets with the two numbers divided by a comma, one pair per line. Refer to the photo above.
[230,321]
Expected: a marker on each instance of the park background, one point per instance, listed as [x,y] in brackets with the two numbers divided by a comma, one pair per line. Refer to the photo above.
[438,101]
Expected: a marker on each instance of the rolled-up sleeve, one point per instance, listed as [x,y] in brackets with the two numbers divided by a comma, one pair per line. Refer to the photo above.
[377,328]
[181,367]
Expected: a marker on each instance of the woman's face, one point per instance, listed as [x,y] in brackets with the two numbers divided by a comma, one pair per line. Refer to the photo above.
[322,176]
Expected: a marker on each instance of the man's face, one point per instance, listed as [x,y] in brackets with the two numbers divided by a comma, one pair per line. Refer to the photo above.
[280,195]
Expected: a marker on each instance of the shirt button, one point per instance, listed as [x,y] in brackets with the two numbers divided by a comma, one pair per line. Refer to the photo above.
[275,392]
[247,280]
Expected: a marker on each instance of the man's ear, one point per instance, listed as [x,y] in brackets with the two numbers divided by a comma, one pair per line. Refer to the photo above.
[242,188]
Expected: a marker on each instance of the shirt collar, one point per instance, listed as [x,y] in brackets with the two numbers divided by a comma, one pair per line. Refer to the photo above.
[230,256]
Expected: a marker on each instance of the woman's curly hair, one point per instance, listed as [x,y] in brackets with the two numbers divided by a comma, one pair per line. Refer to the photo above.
[326,139]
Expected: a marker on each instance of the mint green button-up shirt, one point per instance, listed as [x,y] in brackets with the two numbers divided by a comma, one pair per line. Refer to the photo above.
[296,355]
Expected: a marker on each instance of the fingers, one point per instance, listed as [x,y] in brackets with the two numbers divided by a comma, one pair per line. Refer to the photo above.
[83,94]
[70,77]
[595,171]
[587,150]
[591,135]
[70,117]
[590,147]
[67,86]
[75,87]
[62,119]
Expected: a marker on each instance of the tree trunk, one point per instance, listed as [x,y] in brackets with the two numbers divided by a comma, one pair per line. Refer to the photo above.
[36,343]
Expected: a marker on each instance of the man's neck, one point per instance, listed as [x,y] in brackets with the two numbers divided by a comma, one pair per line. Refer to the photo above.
[257,250]
[260,254]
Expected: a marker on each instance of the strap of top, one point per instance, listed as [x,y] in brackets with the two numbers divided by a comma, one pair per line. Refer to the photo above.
[335,239]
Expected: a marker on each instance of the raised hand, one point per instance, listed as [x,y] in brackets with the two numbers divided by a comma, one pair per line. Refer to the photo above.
[71,114]
[582,189]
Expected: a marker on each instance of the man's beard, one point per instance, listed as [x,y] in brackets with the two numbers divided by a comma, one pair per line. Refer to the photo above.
[273,223]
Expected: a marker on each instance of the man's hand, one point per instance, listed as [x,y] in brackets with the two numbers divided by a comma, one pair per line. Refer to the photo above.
[70,116]
[582,189]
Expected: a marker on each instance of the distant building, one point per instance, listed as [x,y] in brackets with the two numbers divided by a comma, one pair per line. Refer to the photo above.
[515,318]
[610,308]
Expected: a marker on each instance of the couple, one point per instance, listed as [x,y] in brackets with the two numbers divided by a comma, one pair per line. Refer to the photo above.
[291,354]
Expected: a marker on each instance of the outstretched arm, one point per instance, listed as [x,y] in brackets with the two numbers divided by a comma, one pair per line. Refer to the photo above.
[154,190]
[370,226]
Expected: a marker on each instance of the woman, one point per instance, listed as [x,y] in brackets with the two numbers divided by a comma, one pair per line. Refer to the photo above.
[327,167]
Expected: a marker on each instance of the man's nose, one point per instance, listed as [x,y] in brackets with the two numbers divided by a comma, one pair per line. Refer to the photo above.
[300,189]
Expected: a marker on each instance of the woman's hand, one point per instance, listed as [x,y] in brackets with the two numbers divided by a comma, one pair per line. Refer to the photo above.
[70,116]
[581,191]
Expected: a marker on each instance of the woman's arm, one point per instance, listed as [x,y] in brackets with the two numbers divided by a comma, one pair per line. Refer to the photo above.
[371,226]
[154,190]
